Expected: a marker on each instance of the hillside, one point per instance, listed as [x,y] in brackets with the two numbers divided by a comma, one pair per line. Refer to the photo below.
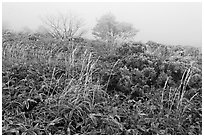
[79,86]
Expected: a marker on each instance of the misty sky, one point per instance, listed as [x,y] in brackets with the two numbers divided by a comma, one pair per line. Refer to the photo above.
[167,23]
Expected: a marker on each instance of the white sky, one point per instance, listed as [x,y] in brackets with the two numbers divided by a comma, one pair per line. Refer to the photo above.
[168,23]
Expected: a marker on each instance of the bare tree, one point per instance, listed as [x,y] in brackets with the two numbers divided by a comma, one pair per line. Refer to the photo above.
[64,26]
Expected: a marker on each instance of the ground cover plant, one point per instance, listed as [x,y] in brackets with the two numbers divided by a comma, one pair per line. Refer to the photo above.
[79,86]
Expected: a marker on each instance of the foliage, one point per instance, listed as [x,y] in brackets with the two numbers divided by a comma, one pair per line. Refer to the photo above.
[110,30]
[71,87]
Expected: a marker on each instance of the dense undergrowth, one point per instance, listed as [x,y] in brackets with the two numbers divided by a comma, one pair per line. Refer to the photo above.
[85,87]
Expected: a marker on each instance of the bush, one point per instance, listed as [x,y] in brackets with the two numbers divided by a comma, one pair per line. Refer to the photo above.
[78,87]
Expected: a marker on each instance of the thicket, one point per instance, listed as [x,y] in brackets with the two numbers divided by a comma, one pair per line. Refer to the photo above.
[80,86]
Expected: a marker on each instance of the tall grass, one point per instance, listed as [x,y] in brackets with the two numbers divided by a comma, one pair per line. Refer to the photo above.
[79,98]
[72,101]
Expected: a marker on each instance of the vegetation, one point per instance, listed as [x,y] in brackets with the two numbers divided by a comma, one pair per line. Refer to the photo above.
[78,87]
[112,31]
[63,26]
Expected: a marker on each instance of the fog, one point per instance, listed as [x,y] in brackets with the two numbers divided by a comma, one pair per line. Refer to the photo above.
[167,23]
